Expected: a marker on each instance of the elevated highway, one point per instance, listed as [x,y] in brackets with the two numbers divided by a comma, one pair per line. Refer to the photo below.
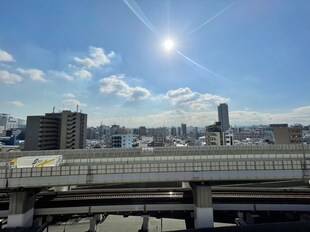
[235,163]
[201,166]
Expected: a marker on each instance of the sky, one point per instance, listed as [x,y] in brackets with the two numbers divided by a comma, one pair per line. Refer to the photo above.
[108,57]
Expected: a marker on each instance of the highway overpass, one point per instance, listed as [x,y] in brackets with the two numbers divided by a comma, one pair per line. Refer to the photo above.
[201,166]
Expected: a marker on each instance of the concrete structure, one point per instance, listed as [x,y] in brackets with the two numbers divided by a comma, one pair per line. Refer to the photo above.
[173,131]
[203,165]
[287,135]
[203,211]
[179,132]
[171,164]
[228,138]
[213,139]
[184,131]
[21,209]
[216,127]
[2,131]
[8,122]
[65,130]
[159,137]
[121,141]
[219,139]
[278,125]
[223,116]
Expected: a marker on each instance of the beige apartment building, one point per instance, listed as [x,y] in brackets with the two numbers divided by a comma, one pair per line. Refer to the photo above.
[64,130]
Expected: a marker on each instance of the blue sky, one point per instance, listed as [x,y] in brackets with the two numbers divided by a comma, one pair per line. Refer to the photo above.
[108,57]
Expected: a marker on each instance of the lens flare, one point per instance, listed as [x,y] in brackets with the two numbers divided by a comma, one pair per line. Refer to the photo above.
[169,45]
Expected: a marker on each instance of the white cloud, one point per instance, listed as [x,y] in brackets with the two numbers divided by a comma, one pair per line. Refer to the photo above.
[186,98]
[297,115]
[165,118]
[68,95]
[62,75]
[83,74]
[5,56]
[116,85]
[34,74]
[72,103]
[96,58]
[16,103]
[9,78]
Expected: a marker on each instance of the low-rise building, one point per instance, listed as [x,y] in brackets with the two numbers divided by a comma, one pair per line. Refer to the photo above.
[121,140]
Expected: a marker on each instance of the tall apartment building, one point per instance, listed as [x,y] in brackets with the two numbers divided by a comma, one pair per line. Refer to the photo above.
[223,116]
[287,135]
[184,131]
[64,130]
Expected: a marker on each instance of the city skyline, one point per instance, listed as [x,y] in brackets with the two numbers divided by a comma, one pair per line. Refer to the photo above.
[108,58]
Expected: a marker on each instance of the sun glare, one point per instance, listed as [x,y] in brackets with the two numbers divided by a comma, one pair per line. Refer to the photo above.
[169,44]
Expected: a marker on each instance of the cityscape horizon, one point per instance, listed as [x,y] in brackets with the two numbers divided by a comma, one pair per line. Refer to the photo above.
[171,125]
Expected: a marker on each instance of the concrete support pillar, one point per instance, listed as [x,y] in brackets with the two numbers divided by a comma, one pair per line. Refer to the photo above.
[145,223]
[94,222]
[92,225]
[21,208]
[203,213]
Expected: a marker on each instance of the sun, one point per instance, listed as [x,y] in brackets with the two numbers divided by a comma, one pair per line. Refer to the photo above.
[169,44]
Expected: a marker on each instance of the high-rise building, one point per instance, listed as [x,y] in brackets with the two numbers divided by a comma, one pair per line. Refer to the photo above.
[173,131]
[184,132]
[179,132]
[223,116]
[64,130]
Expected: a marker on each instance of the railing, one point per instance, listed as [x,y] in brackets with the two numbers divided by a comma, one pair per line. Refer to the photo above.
[166,164]
[163,151]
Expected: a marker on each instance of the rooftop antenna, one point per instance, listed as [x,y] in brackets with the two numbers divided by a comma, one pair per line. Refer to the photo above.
[77,108]
[54,109]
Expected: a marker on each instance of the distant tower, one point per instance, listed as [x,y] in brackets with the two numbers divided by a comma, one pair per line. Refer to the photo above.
[173,131]
[184,132]
[223,116]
